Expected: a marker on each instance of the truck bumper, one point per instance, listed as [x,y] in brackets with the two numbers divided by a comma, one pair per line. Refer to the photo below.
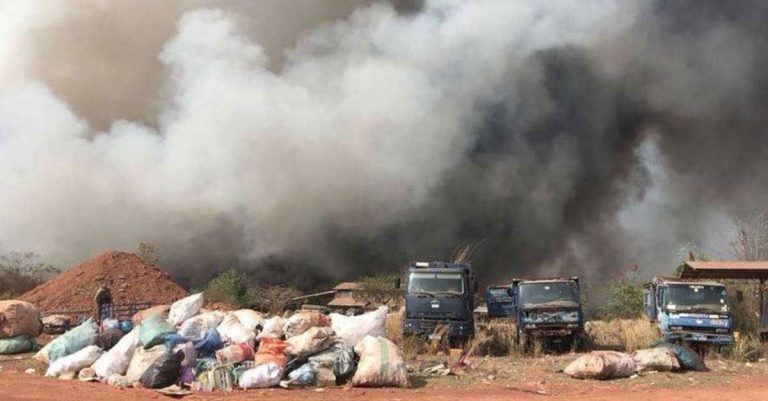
[716,339]
[551,330]
[458,329]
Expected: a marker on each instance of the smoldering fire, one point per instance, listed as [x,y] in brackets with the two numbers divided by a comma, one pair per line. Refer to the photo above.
[571,135]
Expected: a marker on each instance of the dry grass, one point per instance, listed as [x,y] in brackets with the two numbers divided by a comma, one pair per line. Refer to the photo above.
[495,338]
[621,334]
[745,349]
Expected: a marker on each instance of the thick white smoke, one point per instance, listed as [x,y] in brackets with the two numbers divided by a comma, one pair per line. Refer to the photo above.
[354,131]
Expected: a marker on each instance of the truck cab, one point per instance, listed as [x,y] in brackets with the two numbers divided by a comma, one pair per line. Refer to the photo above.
[689,310]
[542,308]
[440,293]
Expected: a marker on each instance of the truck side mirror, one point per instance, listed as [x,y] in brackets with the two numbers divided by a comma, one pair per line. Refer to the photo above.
[397,283]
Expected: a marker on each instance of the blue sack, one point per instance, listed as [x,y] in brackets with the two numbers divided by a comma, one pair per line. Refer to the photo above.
[688,358]
[171,340]
[126,326]
[210,343]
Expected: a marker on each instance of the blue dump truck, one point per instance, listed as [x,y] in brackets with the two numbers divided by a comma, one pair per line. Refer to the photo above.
[691,311]
[440,293]
[546,309]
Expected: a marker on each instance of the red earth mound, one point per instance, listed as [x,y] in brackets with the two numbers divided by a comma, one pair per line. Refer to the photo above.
[128,277]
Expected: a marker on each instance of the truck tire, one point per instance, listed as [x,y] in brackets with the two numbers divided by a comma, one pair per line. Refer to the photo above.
[523,343]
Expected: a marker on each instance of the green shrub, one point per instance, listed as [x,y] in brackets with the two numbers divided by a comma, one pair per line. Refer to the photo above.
[22,271]
[625,301]
[228,287]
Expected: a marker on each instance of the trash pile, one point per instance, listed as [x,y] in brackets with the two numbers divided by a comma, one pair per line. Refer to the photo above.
[130,279]
[19,325]
[604,365]
[217,350]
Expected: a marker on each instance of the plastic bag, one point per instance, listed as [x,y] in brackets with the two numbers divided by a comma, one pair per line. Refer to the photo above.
[338,357]
[157,310]
[126,326]
[303,321]
[234,353]
[187,374]
[234,332]
[56,324]
[194,329]
[261,376]
[42,355]
[381,364]
[352,329]
[72,341]
[163,372]
[108,339]
[185,308]
[602,365]
[303,376]
[74,362]
[209,344]
[116,360]
[118,381]
[190,354]
[171,340]
[310,342]
[249,318]
[141,361]
[659,359]
[271,350]
[271,328]
[108,324]
[16,345]
[688,358]
[152,329]
[19,318]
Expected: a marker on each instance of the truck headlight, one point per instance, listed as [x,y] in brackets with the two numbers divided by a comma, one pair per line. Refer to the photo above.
[571,325]
[675,328]
[721,330]
[530,326]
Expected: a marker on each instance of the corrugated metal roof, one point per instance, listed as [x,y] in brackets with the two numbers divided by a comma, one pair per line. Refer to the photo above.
[725,270]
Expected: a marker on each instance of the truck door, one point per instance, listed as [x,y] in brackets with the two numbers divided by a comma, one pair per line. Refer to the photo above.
[649,303]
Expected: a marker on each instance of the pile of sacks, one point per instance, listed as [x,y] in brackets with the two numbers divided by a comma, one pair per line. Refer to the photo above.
[19,324]
[603,365]
[218,350]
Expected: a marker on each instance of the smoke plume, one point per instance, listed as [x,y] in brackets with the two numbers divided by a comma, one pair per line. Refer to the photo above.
[325,140]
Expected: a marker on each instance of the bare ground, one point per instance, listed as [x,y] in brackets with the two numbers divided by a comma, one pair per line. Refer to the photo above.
[508,378]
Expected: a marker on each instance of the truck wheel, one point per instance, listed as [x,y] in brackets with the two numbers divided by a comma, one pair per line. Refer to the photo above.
[523,343]
[577,342]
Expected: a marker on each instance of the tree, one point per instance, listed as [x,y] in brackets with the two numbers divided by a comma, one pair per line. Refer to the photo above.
[147,252]
[625,297]
[22,271]
[379,289]
[228,287]
[274,299]
[751,240]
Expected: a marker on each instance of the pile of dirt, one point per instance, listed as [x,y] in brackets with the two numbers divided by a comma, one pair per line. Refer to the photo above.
[128,277]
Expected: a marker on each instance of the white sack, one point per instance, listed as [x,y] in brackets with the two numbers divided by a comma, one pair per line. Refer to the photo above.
[352,329]
[659,359]
[234,332]
[271,328]
[262,376]
[602,365]
[249,318]
[74,362]
[116,360]
[194,329]
[185,308]
[141,361]
[381,364]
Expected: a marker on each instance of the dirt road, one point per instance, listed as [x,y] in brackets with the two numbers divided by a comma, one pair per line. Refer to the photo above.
[22,387]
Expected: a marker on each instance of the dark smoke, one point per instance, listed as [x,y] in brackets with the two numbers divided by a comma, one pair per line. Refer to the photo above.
[571,138]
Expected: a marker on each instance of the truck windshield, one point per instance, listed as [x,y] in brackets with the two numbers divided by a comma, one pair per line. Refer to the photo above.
[548,294]
[433,283]
[691,297]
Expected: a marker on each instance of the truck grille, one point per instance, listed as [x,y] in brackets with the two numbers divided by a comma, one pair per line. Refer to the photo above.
[700,329]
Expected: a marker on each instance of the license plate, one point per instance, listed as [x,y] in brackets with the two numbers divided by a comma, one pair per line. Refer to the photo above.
[435,336]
